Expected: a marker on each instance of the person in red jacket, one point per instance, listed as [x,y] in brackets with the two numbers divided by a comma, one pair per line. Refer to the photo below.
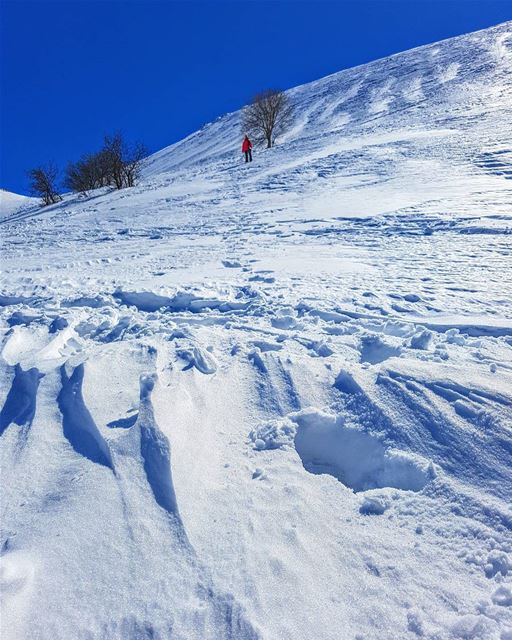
[247,149]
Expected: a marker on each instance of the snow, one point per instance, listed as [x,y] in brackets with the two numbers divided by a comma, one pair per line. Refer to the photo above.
[12,202]
[273,402]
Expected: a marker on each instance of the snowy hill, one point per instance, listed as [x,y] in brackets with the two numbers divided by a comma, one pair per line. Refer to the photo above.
[447,84]
[274,401]
[12,202]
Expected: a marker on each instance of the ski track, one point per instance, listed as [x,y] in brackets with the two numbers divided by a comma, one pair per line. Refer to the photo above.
[273,402]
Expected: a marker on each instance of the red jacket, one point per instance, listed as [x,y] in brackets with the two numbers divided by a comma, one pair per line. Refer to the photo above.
[246,145]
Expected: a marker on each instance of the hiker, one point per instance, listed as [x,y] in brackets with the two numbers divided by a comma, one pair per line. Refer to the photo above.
[247,149]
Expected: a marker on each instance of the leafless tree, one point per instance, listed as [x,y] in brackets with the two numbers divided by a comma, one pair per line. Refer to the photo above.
[116,163]
[100,168]
[43,183]
[80,176]
[124,162]
[114,151]
[92,171]
[267,115]
[133,163]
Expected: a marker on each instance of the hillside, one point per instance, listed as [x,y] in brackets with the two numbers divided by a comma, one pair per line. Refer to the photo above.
[12,202]
[273,401]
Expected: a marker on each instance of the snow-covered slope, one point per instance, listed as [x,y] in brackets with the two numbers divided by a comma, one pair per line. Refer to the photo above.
[444,85]
[12,202]
[274,401]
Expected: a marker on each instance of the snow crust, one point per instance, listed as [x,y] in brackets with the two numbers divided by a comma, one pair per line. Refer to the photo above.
[273,401]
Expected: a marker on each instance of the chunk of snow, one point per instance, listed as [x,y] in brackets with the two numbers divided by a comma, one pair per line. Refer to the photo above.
[421,340]
[502,596]
[273,434]
[373,505]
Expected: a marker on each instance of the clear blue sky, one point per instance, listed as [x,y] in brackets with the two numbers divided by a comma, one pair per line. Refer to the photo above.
[74,70]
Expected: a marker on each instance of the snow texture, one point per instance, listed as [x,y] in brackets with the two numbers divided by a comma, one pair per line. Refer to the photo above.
[273,402]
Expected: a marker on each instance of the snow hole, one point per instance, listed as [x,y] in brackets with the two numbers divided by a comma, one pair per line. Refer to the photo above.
[357,459]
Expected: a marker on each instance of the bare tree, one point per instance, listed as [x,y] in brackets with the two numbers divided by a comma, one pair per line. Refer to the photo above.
[268,115]
[117,163]
[80,176]
[43,183]
[124,162]
[114,151]
[92,171]
[133,163]
[102,168]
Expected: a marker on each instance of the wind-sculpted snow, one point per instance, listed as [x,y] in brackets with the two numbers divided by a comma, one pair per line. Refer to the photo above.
[77,423]
[273,401]
[155,451]
[20,404]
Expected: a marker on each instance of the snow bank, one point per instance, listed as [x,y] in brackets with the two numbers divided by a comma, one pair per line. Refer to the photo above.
[150,301]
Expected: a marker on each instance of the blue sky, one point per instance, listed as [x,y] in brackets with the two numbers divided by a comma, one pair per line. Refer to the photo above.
[74,70]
